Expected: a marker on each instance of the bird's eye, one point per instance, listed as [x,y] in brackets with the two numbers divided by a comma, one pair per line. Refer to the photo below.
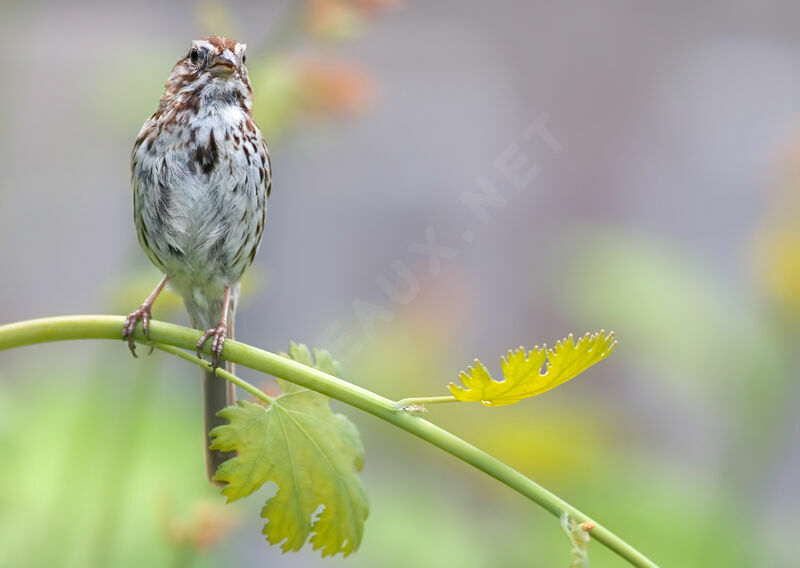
[194,55]
[244,57]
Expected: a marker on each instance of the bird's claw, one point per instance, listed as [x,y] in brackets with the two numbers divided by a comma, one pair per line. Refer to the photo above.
[129,327]
[218,334]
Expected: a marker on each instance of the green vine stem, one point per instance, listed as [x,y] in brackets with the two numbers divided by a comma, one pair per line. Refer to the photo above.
[168,337]
[423,400]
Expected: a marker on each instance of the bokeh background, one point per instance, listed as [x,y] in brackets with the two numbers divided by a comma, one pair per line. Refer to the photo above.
[669,214]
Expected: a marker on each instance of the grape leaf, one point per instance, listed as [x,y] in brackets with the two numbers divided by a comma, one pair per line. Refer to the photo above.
[312,455]
[522,372]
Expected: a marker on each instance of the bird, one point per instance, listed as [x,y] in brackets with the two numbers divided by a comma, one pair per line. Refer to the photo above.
[201,177]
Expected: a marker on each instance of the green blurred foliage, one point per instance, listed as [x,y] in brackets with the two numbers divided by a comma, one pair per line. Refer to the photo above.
[101,462]
[709,345]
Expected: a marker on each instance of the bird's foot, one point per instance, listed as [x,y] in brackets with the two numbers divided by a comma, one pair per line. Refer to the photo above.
[129,328]
[217,336]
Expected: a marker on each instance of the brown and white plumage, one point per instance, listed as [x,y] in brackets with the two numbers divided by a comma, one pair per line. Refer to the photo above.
[201,177]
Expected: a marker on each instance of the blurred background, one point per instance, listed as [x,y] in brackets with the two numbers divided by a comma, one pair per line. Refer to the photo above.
[643,160]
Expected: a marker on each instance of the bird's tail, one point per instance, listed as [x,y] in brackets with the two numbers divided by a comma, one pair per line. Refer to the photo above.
[205,313]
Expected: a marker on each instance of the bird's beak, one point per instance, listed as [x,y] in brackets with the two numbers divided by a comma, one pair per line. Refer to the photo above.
[223,65]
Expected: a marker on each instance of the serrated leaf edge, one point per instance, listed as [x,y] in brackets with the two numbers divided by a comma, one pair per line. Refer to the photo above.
[469,380]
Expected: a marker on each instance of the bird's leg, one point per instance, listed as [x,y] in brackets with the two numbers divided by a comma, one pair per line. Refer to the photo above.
[143,313]
[218,333]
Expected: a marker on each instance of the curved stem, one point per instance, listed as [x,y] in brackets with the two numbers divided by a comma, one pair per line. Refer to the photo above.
[423,400]
[110,327]
[222,373]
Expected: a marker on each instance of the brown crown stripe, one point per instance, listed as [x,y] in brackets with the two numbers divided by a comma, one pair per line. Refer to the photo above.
[221,43]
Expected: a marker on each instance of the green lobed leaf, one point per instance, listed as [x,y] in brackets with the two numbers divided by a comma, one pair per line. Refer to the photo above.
[312,455]
[522,371]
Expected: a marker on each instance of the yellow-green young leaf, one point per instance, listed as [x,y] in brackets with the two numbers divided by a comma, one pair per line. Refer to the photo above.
[312,455]
[522,372]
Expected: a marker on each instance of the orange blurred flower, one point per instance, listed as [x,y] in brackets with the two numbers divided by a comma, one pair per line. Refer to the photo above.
[333,86]
[204,528]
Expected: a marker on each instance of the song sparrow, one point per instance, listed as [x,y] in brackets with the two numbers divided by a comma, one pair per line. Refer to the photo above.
[201,178]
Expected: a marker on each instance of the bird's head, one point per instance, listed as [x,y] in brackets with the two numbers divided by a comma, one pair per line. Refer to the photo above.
[213,69]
